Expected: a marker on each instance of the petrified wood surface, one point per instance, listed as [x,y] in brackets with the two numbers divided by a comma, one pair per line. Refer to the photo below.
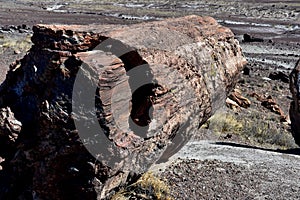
[294,107]
[99,103]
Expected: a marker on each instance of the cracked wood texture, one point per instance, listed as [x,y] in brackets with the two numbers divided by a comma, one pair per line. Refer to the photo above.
[294,106]
[96,105]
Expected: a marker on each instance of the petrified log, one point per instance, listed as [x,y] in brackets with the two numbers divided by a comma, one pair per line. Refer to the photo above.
[270,103]
[294,106]
[236,96]
[101,103]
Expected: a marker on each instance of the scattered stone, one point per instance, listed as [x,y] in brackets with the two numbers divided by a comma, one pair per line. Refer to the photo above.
[232,104]
[266,79]
[237,97]
[207,184]
[13,29]
[270,104]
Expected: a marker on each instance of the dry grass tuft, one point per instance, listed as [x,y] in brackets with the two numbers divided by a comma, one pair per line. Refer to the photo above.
[224,123]
[21,43]
[146,188]
[254,127]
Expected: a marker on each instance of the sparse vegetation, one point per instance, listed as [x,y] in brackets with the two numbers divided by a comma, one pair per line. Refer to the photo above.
[20,43]
[147,187]
[224,123]
[255,128]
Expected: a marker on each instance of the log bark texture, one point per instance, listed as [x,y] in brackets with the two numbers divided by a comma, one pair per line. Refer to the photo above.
[295,104]
[99,104]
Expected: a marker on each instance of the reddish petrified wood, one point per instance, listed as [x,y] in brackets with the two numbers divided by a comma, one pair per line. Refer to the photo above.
[294,107]
[121,93]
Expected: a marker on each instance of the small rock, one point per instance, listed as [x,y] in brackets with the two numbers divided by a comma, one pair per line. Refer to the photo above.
[232,104]
[23,31]
[17,51]
[242,81]
[249,38]
[227,136]
[279,76]
[266,79]
[246,71]
[237,97]
[272,105]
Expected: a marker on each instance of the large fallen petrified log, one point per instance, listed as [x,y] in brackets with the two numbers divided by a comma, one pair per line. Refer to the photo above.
[101,103]
[295,104]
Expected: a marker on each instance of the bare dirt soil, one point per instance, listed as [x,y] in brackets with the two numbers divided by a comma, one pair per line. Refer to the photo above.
[259,162]
[225,170]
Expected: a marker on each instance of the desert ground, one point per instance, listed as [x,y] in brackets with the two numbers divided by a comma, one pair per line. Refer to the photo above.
[242,153]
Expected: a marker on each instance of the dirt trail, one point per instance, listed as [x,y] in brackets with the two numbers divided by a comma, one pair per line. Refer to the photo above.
[211,169]
[238,154]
